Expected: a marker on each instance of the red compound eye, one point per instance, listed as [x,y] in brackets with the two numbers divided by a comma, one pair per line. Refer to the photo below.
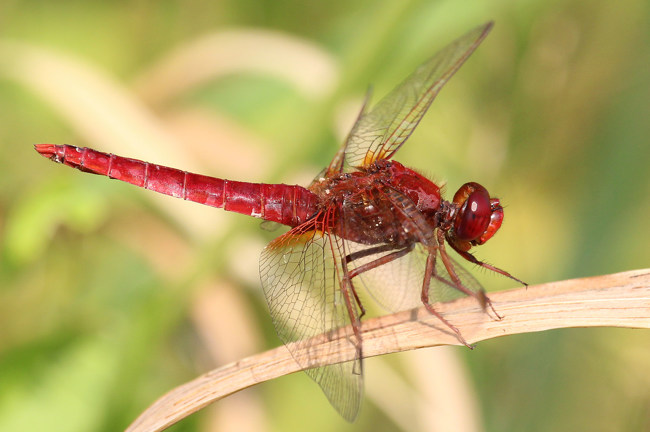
[474,216]
[495,222]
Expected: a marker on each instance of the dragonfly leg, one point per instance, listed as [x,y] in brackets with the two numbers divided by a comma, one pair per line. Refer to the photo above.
[348,280]
[370,251]
[371,265]
[379,261]
[428,274]
[471,258]
[347,287]
[355,320]
[482,298]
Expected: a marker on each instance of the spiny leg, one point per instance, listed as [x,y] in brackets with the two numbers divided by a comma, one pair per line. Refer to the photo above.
[381,260]
[371,265]
[482,298]
[370,251]
[348,286]
[426,283]
[471,258]
[348,279]
[355,319]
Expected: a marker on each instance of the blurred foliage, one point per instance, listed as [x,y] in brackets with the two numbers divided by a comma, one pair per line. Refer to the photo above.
[103,286]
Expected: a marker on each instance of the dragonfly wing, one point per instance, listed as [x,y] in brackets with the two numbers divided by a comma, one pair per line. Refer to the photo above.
[337,164]
[301,276]
[379,133]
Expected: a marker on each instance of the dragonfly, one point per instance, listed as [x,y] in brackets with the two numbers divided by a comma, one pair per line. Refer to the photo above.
[366,224]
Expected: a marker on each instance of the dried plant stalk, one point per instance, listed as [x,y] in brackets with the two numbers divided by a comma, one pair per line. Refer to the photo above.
[616,300]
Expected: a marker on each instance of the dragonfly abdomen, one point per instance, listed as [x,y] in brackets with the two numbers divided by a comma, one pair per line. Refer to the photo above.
[286,204]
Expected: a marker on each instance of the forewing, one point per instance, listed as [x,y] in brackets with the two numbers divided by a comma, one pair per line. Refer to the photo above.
[301,275]
[379,133]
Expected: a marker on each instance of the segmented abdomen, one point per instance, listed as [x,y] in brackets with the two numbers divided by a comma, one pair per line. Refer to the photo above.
[286,204]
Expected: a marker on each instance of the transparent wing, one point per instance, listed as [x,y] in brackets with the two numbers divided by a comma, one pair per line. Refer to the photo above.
[379,132]
[301,276]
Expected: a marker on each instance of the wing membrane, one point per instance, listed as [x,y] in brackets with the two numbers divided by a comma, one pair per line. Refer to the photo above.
[301,276]
[379,133]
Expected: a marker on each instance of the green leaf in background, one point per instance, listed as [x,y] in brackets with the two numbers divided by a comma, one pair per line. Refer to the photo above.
[35,217]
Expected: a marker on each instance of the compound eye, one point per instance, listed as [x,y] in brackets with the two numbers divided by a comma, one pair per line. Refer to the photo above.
[474,216]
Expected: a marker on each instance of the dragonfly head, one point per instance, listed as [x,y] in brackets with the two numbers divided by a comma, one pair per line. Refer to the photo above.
[477,219]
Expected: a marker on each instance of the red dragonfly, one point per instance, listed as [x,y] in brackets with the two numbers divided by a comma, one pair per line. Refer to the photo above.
[365,221]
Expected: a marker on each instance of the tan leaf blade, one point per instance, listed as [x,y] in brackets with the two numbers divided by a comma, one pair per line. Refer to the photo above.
[616,300]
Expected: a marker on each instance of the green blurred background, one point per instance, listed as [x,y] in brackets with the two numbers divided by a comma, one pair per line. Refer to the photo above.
[110,295]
